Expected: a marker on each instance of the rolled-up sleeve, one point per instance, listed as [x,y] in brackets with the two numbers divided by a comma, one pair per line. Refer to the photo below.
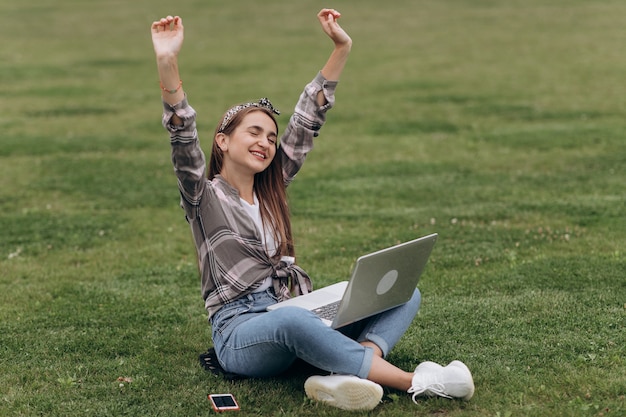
[187,156]
[304,125]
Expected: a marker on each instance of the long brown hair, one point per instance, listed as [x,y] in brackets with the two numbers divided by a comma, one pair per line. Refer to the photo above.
[269,186]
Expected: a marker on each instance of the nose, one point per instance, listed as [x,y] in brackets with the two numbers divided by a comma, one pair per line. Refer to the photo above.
[264,142]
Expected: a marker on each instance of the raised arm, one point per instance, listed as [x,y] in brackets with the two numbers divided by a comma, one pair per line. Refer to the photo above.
[167,39]
[179,118]
[316,99]
[343,43]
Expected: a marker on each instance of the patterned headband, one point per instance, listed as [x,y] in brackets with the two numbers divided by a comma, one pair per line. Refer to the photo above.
[264,103]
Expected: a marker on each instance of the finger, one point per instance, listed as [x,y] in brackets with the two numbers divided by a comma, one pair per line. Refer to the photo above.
[165,23]
[332,16]
[178,22]
[324,13]
[334,12]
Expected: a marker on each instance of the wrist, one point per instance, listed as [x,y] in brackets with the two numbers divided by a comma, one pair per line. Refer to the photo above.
[166,57]
[344,46]
[171,90]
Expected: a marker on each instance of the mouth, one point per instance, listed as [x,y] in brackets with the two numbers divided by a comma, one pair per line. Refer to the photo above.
[258,154]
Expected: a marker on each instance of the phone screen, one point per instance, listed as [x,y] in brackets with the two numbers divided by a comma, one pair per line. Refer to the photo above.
[223,402]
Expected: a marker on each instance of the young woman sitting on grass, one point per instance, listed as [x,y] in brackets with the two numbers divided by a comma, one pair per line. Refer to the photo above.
[240,223]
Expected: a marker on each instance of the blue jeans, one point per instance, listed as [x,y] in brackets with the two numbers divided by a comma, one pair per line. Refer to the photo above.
[253,342]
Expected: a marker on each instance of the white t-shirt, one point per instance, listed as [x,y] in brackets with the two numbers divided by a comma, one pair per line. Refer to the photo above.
[254,211]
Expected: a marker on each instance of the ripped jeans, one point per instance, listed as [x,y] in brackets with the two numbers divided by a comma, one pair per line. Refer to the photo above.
[253,342]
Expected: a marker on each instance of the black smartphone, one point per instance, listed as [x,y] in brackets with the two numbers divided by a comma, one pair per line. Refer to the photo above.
[223,402]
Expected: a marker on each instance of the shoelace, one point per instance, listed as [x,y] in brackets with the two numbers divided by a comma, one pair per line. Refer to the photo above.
[432,389]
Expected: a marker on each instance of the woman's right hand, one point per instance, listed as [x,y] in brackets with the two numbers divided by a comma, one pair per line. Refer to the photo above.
[167,39]
[167,36]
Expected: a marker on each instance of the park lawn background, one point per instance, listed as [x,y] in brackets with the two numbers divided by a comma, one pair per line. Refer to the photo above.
[498,125]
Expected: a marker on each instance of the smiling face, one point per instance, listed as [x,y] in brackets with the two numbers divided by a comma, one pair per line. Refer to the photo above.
[251,147]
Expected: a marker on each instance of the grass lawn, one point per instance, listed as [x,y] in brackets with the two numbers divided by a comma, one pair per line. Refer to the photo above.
[499,125]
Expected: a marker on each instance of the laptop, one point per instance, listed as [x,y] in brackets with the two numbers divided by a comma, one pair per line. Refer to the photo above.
[380,281]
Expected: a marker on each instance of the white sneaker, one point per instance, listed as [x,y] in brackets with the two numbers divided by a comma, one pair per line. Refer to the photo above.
[452,381]
[344,391]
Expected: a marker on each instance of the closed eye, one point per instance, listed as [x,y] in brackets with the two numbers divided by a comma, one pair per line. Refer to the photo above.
[256,131]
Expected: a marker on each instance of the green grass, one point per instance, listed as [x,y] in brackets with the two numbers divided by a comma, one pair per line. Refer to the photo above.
[499,125]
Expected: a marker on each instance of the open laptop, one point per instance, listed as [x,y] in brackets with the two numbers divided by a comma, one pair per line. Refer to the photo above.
[380,281]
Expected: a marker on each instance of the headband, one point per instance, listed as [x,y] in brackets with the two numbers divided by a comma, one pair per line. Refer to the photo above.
[262,103]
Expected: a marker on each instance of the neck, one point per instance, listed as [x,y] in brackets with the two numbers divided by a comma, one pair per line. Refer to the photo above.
[244,184]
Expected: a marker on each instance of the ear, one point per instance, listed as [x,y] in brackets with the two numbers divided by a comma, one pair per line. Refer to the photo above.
[221,140]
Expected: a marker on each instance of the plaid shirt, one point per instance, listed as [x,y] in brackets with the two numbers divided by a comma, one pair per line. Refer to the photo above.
[231,256]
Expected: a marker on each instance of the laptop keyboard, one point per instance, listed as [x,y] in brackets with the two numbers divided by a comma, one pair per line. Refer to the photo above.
[328,311]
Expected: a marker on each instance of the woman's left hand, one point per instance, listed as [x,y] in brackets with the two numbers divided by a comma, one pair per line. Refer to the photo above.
[328,20]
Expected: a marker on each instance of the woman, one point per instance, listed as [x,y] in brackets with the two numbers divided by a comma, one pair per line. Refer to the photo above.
[240,223]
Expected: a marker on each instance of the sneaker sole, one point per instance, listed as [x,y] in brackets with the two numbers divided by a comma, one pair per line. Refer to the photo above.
[349,394]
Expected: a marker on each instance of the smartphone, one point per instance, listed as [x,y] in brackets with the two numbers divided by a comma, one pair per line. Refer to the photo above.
[223,402]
